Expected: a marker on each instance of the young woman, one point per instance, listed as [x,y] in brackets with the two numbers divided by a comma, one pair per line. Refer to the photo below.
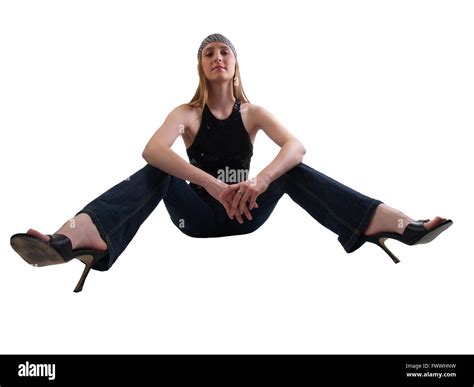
[218,128]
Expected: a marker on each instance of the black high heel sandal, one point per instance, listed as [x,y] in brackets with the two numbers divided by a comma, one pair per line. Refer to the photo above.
[57,250]
[415,233]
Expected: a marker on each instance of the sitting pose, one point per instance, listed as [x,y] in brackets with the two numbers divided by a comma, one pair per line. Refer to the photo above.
[211,195]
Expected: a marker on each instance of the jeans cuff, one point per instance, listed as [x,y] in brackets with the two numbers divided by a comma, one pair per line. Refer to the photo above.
[105,263]
[357,239]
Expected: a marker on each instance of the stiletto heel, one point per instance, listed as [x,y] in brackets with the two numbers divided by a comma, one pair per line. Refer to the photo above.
[88,260]
[415,233]
[57,250]
[381,242]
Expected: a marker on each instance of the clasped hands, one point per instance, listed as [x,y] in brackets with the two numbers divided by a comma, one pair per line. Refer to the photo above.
[238,199]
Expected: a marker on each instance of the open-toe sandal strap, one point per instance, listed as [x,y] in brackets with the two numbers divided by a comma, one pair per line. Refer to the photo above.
[414,231]
[62,244]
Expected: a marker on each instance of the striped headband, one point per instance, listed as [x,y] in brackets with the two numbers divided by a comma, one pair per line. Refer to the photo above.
[216,38]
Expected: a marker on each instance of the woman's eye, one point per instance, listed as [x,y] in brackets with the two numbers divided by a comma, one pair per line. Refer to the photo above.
[223,52]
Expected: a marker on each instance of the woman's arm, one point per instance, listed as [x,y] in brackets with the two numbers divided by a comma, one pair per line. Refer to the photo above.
[290,155]
[291,152]
[158,151]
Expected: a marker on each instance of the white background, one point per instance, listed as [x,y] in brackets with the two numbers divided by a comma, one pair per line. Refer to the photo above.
[380,93]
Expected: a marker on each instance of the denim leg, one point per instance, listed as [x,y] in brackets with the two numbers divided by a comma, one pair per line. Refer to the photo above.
[339,208]
[119,212]
[191,211]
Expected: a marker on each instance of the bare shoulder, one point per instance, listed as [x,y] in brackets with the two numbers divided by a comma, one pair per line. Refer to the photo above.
[264,120]
[256,114]
[186,113]
[249,108]
[256,118]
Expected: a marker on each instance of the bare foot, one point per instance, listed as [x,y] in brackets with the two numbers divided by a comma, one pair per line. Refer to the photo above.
[389,219]
[80,230]
[434,222]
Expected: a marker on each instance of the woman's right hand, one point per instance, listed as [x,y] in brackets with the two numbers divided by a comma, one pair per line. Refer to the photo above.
[216,187]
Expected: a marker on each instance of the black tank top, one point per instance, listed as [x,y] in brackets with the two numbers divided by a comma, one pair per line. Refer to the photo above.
[222,148]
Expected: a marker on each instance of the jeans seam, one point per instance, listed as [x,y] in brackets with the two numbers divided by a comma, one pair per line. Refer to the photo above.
[147,199]
[334,216]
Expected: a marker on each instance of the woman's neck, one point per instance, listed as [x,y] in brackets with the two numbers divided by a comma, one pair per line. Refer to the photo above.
[220,96]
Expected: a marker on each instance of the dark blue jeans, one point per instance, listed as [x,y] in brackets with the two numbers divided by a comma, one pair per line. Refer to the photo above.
[119,212]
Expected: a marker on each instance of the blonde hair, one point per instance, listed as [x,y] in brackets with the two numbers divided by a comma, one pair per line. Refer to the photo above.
[201,94]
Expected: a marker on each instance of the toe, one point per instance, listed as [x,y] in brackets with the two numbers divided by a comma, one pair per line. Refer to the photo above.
[37,234]
[434,222]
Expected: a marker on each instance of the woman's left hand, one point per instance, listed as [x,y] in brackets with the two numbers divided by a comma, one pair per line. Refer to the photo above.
[243,193]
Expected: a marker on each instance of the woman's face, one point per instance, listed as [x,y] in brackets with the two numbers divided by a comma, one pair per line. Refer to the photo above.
[218,62]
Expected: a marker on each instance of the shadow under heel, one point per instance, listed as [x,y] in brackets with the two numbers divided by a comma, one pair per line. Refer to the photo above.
[57,250]
[415,233]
